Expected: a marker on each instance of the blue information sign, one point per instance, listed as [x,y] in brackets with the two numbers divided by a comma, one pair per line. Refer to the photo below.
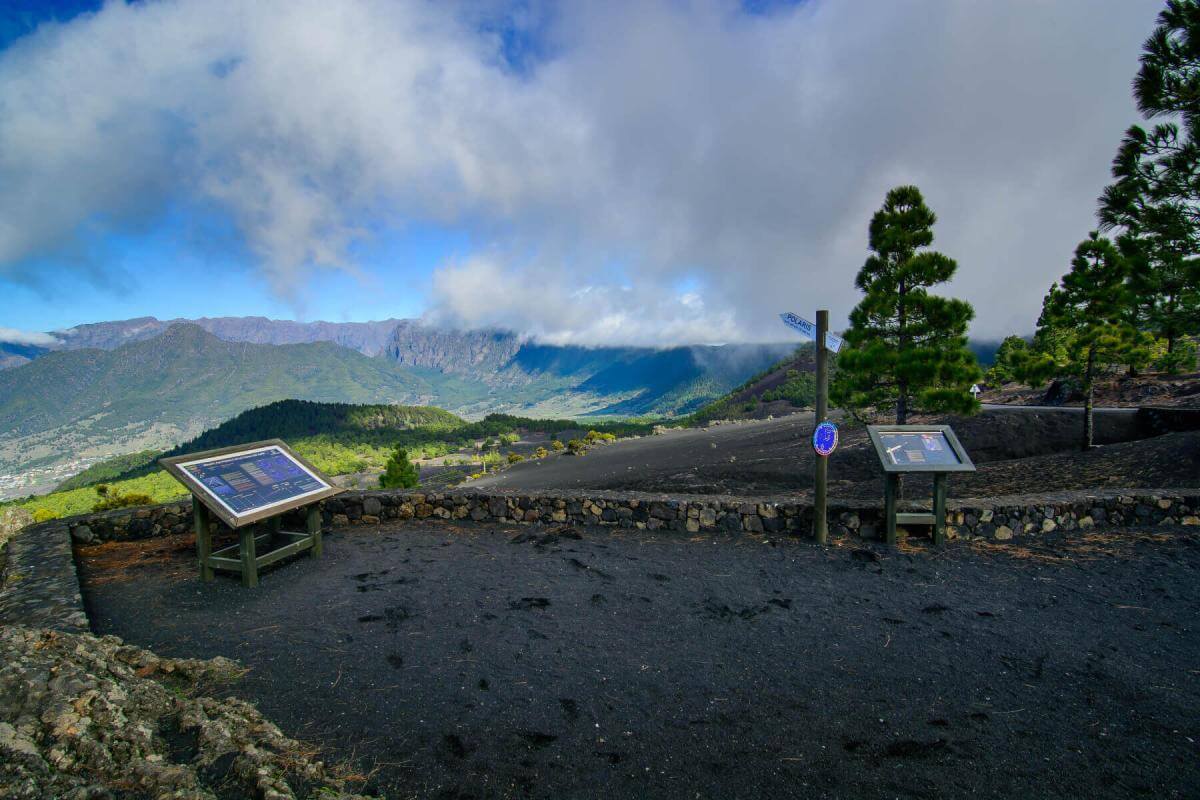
[254,480]
[825,438]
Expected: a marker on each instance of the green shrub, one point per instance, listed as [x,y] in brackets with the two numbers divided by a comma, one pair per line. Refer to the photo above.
[513,458]
[43,514]
[597,436]
[576,447]
[400,473]
[508,438]
[541,452]
[109,498]
[556,445]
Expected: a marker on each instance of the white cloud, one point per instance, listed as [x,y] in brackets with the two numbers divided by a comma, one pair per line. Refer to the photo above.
[14,336]
[672,140]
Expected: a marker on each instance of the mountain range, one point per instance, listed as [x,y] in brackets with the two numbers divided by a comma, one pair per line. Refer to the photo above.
[111,388]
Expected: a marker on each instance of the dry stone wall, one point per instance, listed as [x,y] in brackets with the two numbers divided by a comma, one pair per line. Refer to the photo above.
[997,519]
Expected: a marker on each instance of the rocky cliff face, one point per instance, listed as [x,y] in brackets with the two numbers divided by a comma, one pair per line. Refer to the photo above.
[479,353]
[368,338]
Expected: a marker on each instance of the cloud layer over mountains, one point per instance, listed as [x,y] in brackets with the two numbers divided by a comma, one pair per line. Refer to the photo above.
[655,172]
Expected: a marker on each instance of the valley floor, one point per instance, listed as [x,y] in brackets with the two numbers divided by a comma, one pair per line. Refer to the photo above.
[483,661]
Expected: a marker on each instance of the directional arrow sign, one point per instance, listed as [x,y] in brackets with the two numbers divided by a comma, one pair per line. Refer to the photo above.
[800,324]
[975,390]
[832,343]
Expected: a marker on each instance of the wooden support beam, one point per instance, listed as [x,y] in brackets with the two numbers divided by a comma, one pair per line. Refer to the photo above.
[227,564]
[259,539]
[249,559]
[292,549]
[939,508]
[890,490]
[313,523]
[200,522]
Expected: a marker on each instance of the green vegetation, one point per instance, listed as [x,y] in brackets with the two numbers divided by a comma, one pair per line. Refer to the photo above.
[541,452]
[1007,364]
[1134,300]
[556,445]
[576,447]
[1085,316]
[905,346]
[513,458]
[1152,203]
[159,487]
[109,498]
[799,389]
[721,407]
[338,438]
[109,469]
[400,473]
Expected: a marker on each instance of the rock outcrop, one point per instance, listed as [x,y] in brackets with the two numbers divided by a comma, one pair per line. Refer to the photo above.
[88,717]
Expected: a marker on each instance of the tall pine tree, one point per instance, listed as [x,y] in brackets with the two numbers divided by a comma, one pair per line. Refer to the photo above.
[1154,202]
[1085,316]
[906,348]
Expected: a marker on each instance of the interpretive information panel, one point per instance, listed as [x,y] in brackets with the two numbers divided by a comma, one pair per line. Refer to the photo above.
[919,448]
[255,480]
[926,448]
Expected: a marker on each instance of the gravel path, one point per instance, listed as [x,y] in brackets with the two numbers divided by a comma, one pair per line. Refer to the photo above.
[463,661]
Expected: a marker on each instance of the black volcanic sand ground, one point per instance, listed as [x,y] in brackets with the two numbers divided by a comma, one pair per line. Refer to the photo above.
[484,661]
[1016,452]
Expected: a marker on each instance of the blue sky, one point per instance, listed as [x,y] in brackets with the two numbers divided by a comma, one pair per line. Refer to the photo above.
[175,270]
[625,172]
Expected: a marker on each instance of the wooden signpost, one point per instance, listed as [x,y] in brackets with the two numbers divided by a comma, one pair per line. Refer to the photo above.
[824,432]
[917,448]
[249,484]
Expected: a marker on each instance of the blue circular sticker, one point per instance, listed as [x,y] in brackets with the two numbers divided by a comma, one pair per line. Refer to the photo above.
[825,438]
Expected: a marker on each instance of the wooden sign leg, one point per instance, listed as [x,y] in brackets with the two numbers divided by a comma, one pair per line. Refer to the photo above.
[890,490]
[313,525]
[200,523]
[249,557]
[939,508]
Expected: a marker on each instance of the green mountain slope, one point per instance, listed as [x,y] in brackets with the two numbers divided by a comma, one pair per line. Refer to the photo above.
[186,373]
[156,392]
[786,386]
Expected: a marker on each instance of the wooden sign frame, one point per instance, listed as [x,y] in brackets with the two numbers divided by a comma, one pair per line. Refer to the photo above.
[892,473]
[243,557]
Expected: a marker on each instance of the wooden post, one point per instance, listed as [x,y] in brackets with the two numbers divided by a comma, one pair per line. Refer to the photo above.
[313,525]
[889,507]
[821,478]
[246,548]
[939,508]
[200,522]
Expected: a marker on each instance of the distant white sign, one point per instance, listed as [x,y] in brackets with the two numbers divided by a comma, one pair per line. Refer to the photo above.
[833,343]
[975,390]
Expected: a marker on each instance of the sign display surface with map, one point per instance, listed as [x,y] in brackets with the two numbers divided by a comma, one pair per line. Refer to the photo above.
[918,448]
[243,484]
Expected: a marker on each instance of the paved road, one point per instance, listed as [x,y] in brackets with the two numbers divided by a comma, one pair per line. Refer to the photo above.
[1069,409]
[659,457]
[775,456]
